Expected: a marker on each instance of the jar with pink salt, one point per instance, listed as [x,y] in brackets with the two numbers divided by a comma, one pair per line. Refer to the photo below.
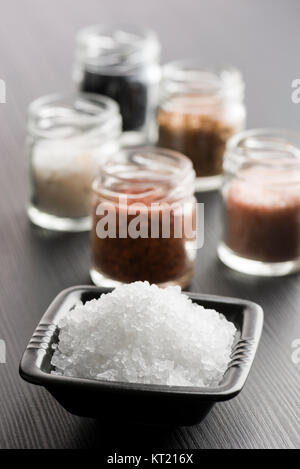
[261,194]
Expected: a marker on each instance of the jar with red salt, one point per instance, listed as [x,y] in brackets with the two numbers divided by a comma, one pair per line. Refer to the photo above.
[143,213]
[261,195]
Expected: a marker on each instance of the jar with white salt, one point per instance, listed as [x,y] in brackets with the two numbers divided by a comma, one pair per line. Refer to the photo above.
[67,138]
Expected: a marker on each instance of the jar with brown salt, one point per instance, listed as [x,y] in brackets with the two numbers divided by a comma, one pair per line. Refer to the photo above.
[261,195]
[200,109]
[143,212]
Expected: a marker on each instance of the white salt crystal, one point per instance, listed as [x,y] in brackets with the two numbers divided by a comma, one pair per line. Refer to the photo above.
[141,333]
[63,172]
[62,176]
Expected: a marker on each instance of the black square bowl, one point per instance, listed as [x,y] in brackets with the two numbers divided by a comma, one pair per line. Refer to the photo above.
[143,403]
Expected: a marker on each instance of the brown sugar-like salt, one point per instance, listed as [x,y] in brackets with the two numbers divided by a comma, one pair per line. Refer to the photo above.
[199,136]
[159,260]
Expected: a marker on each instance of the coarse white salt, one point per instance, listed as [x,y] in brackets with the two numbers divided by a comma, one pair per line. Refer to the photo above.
[141,333]
[62,175]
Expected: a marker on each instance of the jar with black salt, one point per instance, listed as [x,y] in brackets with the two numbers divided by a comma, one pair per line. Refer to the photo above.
[122,63]
[200,109]
[143,212]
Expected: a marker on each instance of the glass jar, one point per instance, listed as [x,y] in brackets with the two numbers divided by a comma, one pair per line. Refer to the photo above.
[261,195]
[67,137]
[122,63]
[144,219]
[200,109]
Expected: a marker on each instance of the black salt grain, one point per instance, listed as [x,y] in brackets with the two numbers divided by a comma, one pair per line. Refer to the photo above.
[129,91]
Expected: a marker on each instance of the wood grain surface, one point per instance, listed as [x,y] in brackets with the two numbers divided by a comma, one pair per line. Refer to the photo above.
[36,43]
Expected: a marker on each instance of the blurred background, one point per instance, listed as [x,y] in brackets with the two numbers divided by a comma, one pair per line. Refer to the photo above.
[261,37]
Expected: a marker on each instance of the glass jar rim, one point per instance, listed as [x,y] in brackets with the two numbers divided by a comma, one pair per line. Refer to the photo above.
[141,168]
[118,45]
[191,76]
[276,149]
[78,108]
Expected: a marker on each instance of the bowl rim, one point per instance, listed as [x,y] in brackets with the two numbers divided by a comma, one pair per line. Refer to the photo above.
[234,379]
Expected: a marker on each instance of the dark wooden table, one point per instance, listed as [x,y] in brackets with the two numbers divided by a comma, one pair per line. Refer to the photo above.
[35,58]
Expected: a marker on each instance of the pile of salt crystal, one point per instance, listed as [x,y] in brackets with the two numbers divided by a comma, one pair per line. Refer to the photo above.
[141,333]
